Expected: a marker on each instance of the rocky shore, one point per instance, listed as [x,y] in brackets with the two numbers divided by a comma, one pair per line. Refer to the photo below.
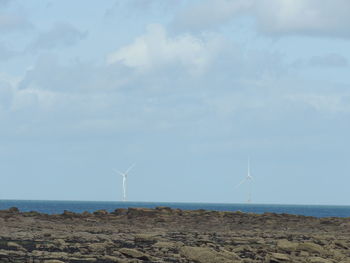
[171,235]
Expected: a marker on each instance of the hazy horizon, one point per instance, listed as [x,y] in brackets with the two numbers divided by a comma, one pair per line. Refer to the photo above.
[187,90]
[172,202]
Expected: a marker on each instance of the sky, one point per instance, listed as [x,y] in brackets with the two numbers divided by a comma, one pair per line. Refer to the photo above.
[186,90]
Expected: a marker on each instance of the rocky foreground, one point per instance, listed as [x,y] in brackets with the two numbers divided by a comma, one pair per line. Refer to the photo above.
[171,235]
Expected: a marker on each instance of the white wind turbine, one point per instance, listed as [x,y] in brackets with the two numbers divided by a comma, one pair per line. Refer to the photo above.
[124,175]
[249,179]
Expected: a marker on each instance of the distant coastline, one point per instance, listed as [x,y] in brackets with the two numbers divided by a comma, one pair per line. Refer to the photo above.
[57,207]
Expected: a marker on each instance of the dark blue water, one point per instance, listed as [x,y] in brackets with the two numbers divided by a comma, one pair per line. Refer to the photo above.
[57,207]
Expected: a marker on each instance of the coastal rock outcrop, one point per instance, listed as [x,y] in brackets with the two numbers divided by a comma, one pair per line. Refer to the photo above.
[163,234]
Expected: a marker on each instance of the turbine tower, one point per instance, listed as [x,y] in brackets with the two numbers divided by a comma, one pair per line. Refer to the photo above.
[125,176]
[249,179]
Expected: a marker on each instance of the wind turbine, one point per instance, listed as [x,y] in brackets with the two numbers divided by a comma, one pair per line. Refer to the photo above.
[249,179]
[125,176]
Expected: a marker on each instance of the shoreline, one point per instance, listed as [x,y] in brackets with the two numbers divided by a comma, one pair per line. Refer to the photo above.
[173,202]
[57,207]
[164,234]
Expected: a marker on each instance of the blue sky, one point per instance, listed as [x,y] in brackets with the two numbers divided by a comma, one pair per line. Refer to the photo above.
[187,90]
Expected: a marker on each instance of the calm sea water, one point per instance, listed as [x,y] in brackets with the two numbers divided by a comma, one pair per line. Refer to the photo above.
[57,207]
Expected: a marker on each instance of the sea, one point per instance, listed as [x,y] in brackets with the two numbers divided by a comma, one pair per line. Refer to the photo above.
[58,207]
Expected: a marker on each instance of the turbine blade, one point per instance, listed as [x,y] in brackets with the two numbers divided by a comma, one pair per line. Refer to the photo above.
[242,182]
[129,169]
[120,173]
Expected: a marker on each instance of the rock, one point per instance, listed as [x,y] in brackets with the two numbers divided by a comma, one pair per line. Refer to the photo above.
[164,209]
[67,213]
[86,214]
[286,245]
[58,255]
[15,246]
[13,210]
[101,212]
[304,254]
[140,212]
[111,259]
[146,238]
[97,247]
[278,257]
[168,245]
[39,253]
[133,253]
[120,212]
[229,255]
[207,255]
[4,254]
[171,235]
[319,260]
[60,243]
[341,243]
[311,248]
[82,260]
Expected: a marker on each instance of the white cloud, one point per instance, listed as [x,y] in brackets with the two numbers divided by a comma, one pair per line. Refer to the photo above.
[309,17]
[209,14]
[114,97]
[273,17]
[156,49]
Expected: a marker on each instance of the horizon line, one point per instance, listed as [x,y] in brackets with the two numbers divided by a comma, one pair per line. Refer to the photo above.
[171,202]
